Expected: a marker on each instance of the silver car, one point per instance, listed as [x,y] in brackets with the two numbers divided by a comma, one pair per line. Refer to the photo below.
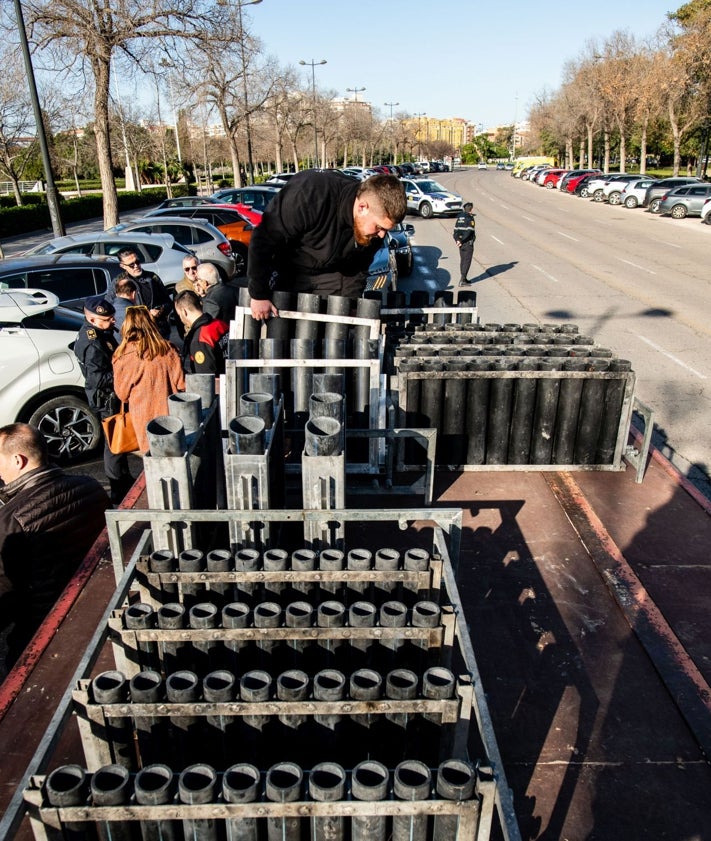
[197,235]
[158,253]
[685,201]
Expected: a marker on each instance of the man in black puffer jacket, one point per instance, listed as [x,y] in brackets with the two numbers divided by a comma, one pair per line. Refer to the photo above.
[48,521]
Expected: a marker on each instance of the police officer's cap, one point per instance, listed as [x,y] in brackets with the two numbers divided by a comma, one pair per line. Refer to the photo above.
[467,206]
[98,305]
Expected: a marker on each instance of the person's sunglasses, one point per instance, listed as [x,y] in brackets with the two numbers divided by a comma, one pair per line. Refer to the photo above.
[191,268]
[136,264]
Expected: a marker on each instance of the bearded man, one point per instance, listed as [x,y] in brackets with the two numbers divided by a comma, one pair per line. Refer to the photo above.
[319,234]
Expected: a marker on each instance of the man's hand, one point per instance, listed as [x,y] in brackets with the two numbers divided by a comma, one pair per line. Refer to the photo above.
[263,310]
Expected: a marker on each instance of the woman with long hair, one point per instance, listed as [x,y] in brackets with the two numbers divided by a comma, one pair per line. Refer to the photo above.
[147,370]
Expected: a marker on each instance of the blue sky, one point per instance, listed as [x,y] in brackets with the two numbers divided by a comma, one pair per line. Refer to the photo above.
[484,62]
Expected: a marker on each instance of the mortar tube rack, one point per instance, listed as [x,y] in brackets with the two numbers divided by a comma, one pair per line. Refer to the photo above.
[250,479]
[473,816]
[402,379]
[377,381]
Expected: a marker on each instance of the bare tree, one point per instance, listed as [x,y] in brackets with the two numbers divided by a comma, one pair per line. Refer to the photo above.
[17,127]
[92,31]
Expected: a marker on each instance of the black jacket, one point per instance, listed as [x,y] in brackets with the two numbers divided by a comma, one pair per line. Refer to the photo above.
[94,348]
[465,228]
[221,300]
[48,522]
[306,231]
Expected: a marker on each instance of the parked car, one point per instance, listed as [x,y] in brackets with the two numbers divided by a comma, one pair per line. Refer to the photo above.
[198,235]
[159,253]
[551,178]
[401,234]
[571,179]
[429,198]
[706,212]
[634,191]
[685,201]
[653,196]
[257,196]
[280,178]
[40,379]
[406,170]
[185,201]
[357,172]
[71,277]
[236,227]
[596,187]
[612,190]
[482,165]
[383,272]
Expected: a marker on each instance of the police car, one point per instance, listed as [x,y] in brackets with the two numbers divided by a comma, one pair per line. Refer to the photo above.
[429,198]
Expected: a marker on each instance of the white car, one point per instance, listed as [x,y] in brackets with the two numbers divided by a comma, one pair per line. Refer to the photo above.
[159,253]
[429,198]
[41,382]
[634,191]
[482,165]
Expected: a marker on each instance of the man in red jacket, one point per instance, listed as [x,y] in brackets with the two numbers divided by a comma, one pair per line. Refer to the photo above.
[205,340]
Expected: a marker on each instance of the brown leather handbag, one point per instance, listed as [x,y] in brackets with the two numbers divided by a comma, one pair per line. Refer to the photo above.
[119,432]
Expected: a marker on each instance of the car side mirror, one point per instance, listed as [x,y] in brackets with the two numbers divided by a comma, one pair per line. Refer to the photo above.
[409,229]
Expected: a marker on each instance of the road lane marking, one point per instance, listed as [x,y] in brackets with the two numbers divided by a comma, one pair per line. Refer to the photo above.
[545,274]
[636,266]
[497,239]
[567,236]
[671,356]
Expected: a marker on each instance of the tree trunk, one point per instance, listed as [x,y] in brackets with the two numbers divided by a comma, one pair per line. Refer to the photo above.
[643,148]
[676,136]
[606,145]
[102,74]
[623,149]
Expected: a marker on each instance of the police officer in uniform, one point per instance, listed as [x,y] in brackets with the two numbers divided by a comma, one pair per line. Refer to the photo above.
[94,346]
[464,236]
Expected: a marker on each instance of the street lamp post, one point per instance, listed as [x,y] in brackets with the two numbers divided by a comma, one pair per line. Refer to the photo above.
[313,64]
[391,105]
[51,190]
[419,130]
[355,92]
[169,65]
[247,124]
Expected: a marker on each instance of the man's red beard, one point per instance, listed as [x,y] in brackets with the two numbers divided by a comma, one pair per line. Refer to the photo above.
[360,237]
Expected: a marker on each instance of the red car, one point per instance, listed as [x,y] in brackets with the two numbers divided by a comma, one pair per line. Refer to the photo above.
[573,178]
[249,213]
[552,177]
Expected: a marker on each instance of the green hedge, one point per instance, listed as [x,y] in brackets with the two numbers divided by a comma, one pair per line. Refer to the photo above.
[15,221]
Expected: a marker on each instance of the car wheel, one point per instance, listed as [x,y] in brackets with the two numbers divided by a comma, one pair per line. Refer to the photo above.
[240,255]
[654,205]
[631,202]
[70,428]
[598,195]
[550,185]
[426,210]
[678,212]
[584,193]
[615,197]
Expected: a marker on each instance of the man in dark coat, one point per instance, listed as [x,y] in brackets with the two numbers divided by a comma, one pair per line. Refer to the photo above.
[203,351]
[465,235]
[48,522]
[151,292]
[220,300]
[319,234]
[94,347]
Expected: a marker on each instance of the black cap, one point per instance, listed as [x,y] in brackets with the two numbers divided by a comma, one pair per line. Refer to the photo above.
[98,305]
[467,205]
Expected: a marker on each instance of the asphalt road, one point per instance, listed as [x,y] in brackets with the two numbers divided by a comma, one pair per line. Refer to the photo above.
[634,282]
[637,283]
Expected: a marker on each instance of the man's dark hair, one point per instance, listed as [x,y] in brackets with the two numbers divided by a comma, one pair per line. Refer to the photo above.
[188,299]
[125,285]
[389,191]
[127,252]
[24,439]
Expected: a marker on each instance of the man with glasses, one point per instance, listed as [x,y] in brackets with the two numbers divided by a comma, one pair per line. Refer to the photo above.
[151,291]
[187,281]
[319,234]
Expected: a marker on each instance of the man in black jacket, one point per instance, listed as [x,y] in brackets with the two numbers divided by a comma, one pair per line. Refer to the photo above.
[465,235]
[319,234]
[150,289]
[94,348]
[48,522]
[220,300]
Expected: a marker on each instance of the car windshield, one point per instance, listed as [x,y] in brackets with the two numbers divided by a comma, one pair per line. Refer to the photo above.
[431,187]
